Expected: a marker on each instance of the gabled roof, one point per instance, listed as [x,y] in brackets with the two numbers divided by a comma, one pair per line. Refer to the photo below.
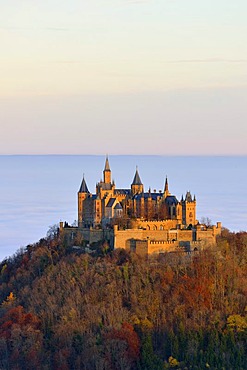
[83,188]
[137,179]
[118,206]
[111,202]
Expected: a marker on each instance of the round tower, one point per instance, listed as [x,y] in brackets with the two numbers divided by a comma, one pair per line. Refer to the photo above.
[83,193]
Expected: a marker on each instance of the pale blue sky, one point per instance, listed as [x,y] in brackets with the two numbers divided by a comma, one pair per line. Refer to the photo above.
[122,76]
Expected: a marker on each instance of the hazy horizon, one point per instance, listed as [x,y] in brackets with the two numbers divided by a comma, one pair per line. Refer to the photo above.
[38,191]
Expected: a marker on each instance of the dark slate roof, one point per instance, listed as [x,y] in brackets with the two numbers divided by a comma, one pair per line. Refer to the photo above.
[105,186]
[171,199]
[122,191]
[137,179]
[188,197]
[118,206]
[83,188]
[154,196]
[111,202]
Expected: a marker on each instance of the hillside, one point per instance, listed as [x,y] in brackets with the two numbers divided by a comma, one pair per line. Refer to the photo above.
[63,309]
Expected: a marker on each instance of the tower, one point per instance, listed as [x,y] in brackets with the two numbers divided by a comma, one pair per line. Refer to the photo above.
[107,172]
[136,186]
[188,210]
[83,193]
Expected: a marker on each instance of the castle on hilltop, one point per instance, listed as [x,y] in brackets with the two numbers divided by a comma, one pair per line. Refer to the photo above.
[145,222]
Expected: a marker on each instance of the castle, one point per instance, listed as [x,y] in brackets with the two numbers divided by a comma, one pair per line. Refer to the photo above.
[145,222]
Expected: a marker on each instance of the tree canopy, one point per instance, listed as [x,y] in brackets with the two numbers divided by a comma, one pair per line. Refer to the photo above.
[64,309]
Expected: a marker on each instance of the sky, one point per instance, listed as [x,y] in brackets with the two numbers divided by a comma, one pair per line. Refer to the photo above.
[165,77]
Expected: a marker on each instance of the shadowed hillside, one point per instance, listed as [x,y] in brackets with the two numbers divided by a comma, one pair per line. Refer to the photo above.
[64,309]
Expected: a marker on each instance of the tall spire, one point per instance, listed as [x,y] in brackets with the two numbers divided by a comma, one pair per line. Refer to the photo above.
[137,179]
[107,165]
[107,172]
[166,185]
[83,188]
[166,190]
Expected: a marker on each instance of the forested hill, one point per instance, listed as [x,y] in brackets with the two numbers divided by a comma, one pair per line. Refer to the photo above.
[63,309]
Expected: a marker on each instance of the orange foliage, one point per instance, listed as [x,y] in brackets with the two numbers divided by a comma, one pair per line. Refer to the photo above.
[127,334]
[17,316]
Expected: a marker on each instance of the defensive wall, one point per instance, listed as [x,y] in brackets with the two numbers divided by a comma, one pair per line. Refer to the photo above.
[157,238]
[147,237]
[75,235]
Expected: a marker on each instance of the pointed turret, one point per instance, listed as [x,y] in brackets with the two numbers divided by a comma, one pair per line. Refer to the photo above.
[83,188]
[107,172]
[83,193]
[136,179]
[136,186]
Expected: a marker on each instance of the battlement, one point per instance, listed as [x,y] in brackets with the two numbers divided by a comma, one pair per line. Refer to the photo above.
[161,242]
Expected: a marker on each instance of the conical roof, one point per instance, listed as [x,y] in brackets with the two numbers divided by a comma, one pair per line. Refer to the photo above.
[83,188]
[137,179]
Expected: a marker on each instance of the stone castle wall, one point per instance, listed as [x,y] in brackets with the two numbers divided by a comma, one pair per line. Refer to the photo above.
[147,241]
